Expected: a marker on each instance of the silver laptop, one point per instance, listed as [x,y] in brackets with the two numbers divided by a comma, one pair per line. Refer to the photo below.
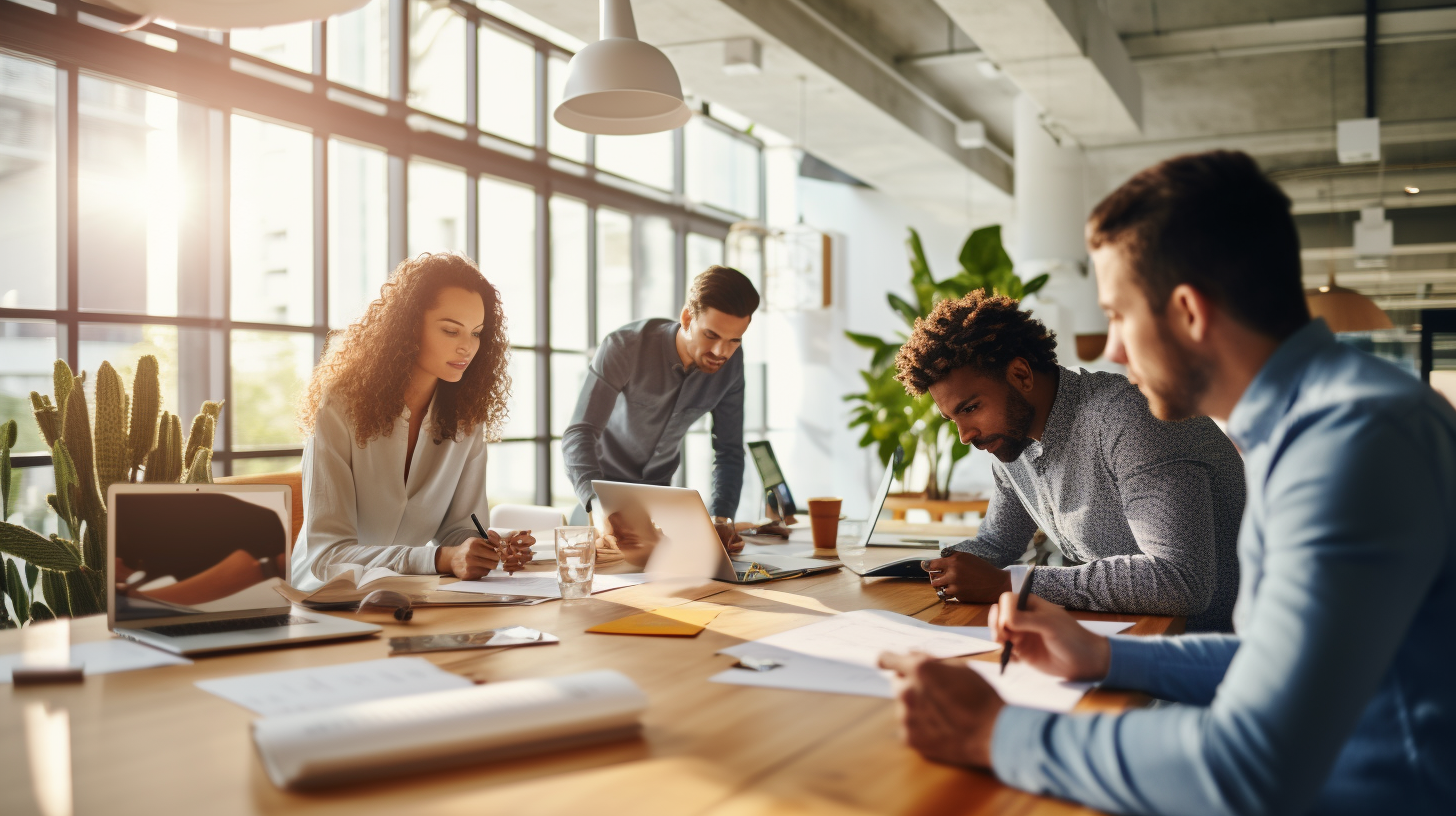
[194,569]
[673,537]
[913,542]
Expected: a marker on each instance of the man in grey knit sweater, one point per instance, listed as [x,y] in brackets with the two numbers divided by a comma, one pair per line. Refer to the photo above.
[1150,508]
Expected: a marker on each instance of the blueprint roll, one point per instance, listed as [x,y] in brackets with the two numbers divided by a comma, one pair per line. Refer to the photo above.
[445,729]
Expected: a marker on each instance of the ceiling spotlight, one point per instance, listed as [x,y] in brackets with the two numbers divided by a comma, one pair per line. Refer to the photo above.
[1411,190]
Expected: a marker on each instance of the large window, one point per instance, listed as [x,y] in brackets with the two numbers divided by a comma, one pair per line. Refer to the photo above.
[226,203]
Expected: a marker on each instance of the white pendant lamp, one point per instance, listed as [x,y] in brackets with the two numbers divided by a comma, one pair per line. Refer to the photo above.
[236,13]
[619,85]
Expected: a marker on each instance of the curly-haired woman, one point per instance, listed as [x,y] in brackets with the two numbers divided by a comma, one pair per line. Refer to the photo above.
[397,415]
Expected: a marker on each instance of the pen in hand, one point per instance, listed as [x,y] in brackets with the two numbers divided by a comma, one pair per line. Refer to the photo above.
[1020,607]
[504,561]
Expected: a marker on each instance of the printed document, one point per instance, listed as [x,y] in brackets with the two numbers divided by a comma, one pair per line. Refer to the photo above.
[290,692]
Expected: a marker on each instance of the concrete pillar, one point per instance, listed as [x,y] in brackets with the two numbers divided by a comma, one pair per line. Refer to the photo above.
[1051,211]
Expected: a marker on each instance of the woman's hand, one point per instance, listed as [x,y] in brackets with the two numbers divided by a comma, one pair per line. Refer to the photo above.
[1049,639]
[516,549]
[470,559]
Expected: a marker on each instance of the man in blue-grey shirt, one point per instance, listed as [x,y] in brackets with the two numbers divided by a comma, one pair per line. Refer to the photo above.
[651,380]
[1338,692]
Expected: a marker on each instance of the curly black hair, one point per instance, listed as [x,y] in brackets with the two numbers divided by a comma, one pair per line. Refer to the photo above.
[981,330]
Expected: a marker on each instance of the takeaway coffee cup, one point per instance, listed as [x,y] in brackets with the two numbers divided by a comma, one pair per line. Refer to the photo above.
[824,520]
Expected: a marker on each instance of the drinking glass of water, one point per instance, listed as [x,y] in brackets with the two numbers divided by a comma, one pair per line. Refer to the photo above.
[576,560]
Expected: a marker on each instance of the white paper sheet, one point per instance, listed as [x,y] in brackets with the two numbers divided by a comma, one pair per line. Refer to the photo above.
[539,584]
[289,692]
[839,655]
[1026,687]
[858,638]
[1103,628]
[106,657]
[800,672]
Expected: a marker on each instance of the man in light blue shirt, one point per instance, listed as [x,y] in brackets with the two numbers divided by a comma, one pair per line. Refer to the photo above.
[1338,692]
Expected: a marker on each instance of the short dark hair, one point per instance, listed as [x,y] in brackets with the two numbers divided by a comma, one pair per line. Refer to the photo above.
[725,289]
[980,330]
[1215,222]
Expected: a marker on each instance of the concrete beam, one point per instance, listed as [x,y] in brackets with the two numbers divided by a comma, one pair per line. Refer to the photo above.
[1284,36]
[837,52]
[1065,54]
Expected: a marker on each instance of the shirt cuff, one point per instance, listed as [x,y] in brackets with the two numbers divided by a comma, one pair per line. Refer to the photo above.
[1016,745]
[422,560]
[1131,662]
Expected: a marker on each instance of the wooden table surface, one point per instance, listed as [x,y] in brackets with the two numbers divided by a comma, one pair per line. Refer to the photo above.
[150,742]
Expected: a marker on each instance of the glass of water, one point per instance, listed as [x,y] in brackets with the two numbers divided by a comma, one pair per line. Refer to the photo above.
[576,560]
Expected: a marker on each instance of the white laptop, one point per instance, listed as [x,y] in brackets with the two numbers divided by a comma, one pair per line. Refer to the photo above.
[869,538]
[905,567]
[194,569]
[676,538]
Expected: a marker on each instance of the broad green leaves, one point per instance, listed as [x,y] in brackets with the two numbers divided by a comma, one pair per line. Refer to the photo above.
[889,415]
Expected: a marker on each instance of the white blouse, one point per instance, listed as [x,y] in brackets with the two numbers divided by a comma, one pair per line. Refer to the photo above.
[358,508]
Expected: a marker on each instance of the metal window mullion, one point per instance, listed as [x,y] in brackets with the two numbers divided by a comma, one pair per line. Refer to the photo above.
[592,284]
[222,200]
[472,74]
[472,215]
[321,171]
[543,344]
[69,169]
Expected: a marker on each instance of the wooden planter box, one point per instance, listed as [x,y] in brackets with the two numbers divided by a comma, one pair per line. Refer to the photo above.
[898,503]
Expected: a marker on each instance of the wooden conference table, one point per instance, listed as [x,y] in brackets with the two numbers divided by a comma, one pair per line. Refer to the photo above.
[150,742]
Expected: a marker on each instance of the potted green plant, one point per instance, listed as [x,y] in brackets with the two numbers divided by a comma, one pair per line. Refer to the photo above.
[64,575]
[889,415]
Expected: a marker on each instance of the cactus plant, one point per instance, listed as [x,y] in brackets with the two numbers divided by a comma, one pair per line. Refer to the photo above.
[66,576]
[146,395]
[9,433]
[113,459]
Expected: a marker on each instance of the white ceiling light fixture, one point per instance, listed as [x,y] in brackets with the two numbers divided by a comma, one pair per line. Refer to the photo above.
[619,85]
[225,14]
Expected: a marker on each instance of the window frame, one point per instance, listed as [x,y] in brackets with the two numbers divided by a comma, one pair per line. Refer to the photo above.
[204,71]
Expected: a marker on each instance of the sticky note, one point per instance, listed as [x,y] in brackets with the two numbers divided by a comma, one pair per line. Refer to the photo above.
[670,622]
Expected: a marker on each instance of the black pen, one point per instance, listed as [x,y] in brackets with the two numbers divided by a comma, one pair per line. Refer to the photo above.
[486,536]
[1020,607]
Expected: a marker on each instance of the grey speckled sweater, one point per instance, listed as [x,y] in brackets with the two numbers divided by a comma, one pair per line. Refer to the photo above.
[1151,508]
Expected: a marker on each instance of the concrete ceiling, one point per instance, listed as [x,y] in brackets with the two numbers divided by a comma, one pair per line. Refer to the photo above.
[886,81]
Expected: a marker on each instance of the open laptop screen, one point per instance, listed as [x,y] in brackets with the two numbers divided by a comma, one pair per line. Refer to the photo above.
[205,552]
[879,504]
[772,477]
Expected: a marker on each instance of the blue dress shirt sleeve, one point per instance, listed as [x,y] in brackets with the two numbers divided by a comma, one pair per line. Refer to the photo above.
[1340,587]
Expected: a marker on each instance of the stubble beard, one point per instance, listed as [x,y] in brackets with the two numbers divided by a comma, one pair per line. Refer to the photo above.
[1174,396]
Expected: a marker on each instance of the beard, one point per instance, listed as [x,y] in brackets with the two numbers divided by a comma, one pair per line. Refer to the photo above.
[1175,392]
[1019,415]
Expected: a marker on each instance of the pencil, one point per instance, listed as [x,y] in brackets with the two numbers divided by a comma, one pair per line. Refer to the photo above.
[1021,607]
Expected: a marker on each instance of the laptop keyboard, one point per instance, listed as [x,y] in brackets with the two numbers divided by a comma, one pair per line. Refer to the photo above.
[230,625]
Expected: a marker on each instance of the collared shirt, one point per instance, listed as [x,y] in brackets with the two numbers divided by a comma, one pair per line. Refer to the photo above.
[1338,693]
[636,405]
[1150,508]
[358,508]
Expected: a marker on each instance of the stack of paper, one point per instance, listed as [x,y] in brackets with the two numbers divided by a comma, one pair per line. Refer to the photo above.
[447,728]
[840,655]
[289,692]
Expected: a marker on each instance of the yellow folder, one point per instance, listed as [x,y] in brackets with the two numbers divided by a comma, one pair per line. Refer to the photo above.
[668,621]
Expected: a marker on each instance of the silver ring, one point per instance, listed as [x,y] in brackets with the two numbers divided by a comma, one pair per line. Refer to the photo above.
[940,591]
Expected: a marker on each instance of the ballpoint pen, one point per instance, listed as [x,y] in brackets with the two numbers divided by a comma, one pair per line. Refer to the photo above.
[1020,607]
[503,558]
